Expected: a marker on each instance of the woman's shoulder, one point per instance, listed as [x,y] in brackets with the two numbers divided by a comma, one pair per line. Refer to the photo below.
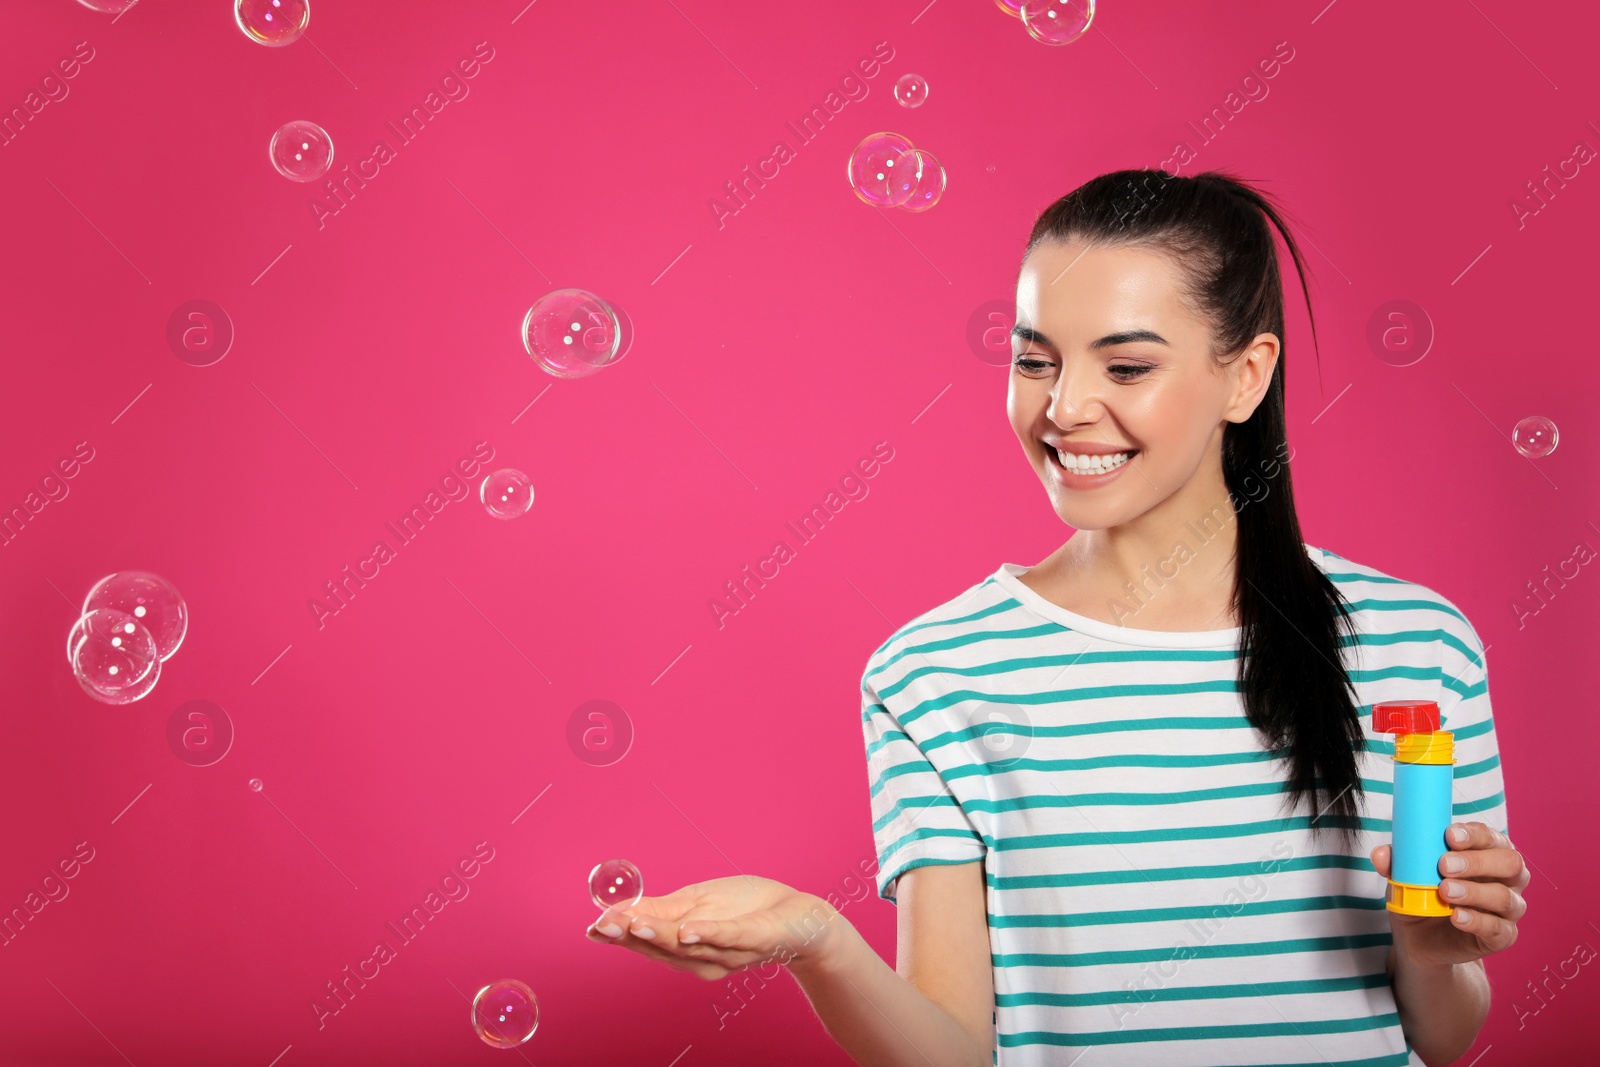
[926,633]
[1384,603]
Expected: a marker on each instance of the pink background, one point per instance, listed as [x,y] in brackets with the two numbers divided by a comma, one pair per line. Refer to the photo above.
[772,353]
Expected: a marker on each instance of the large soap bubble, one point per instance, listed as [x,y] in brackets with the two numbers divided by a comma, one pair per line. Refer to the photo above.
[152,600]
[571,333]
[113,657]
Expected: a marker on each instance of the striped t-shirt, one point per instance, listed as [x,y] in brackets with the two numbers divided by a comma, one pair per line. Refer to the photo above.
[1148,903]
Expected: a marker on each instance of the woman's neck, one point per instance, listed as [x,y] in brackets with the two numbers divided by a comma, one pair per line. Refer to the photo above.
[1152,574]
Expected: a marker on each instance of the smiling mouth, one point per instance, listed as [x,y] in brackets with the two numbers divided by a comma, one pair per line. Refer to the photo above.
[1089,465]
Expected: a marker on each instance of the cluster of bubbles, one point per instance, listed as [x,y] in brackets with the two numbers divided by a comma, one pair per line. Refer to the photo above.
[887,170]
[1051,21]
[130,623]
[1535,436]
[573,333]
[506,1013]
[507,493]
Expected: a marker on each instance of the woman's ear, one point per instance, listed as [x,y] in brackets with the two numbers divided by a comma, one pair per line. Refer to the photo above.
[1252,372]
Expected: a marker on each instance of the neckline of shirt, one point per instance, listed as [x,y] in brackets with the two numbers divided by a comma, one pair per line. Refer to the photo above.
[1008,577]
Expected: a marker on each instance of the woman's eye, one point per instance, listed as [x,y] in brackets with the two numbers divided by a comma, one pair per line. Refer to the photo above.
[1127,371]
[1029,364]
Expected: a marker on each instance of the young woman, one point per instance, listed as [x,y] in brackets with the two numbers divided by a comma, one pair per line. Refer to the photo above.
[1126,800]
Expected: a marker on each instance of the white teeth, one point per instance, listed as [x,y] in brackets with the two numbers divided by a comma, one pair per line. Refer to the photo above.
[1092,464]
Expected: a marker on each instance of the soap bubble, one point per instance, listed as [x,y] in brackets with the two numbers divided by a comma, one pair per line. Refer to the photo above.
[257,784]
[113,657]
[1057,21]
[616,883]
[571,333]
[911,90]
[930,181]
[301,151]
[882,169]
[505,1013]
[506,493]
[272,22]
[1535,436]
[150,599]
[110,7]
[1010,7]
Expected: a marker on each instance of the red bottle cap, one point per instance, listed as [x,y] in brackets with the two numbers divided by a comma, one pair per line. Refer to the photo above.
[1405,717]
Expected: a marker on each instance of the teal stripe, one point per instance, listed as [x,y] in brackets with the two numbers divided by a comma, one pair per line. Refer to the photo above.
[1078,879]
[1475,807]
[1192,911]
[1004,606]
[1074,694]
[1277,947]
[1121,656]
[1005,666]
[1169,833]
[915,765]
[1213,1032]
[923,834]
[1205,992]
[1055,696]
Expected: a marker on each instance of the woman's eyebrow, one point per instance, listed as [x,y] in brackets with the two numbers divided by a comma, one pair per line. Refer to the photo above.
[1028,333]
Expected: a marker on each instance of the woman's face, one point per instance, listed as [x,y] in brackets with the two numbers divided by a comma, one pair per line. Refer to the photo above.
[1107,358]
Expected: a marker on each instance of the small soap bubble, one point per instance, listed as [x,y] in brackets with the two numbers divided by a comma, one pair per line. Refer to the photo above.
[1010,7]
[110,7]
[507,493]
[930,181]
[882,169]
[571,333]
[911,90]
[113,657]
[257,784]
[301,151]
[1057,21]
[273,23]
[505,1013]
[1535,436]
[616,883]
[152,600]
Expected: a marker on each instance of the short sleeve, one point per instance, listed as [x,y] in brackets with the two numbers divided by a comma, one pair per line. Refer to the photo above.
[915,818]
[1479,785]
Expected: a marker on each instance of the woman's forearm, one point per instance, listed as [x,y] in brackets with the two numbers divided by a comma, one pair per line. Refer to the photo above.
[878,1017]
[1442,1008]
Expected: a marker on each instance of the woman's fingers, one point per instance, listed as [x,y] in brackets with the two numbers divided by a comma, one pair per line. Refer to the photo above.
[1494,932]
[1494,898]
[647,948]
[655,939]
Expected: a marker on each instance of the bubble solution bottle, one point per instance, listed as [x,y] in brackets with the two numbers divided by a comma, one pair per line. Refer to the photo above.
[1424,769]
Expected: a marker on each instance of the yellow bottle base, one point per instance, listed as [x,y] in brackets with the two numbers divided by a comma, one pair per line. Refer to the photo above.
[1416,900]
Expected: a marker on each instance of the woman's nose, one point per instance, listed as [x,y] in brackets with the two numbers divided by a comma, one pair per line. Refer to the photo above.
[1076,394]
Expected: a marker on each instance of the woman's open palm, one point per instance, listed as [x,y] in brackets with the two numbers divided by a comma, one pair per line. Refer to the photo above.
[729,924]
